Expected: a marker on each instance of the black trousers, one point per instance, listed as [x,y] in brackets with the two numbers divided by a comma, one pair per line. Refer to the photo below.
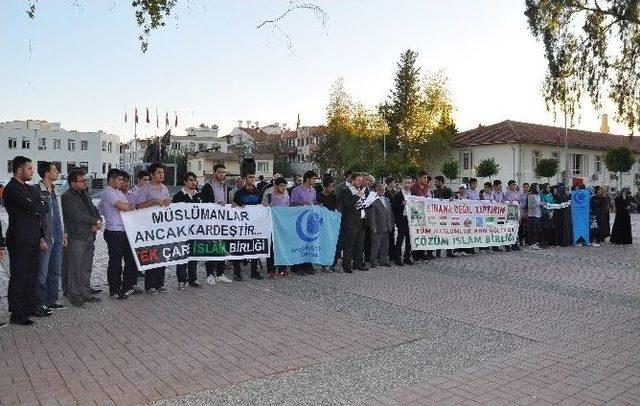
[352,246]
[367,241]
[119,278]
[23,265]
[403,237]
[237,270]
[187,272]
[271,263]
[154,278]
[215,268]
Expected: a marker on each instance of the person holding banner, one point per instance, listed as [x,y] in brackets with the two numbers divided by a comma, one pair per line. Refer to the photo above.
[534,217]
[188,194]
[444,193]
[154,193]
[304,195]
[472,193]
[563,226]
[2,255]
[277,197]
[421,188]
[248,195]
[215,192]
[114,201]
[399,213]
[513,195]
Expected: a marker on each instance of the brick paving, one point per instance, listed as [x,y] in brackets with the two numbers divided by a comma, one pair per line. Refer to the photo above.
[566,321]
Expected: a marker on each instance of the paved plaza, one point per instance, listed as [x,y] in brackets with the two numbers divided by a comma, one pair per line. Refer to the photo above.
[557,326]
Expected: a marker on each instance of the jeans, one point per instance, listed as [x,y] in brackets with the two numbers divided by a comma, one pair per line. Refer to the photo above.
[49,269]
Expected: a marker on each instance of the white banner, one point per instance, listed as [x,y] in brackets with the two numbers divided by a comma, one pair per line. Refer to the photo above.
[436,224]
[183,232]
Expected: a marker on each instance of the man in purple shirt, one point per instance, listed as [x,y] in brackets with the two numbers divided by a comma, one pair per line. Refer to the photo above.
[113,202]
[472,192]
[512,195]
[304,195]
[155,193]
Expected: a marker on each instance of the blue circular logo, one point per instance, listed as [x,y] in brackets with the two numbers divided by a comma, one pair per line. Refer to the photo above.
[308,225]
[579,197]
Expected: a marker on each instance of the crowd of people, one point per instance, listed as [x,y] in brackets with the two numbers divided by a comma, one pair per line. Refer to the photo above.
[51,237]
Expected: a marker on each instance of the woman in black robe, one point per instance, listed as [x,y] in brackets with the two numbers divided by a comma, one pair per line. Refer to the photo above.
[600,211]
[621,232]
[562,223]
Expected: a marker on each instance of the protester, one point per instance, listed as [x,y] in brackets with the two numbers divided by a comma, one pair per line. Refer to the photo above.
[278,197]
[154,193]
[498,194]
[513,195]
[463,195]
[444,193]
[522,230]
[473,193]
[25,240]
[350,205]
[400,215]
[621,231]
[599,206]
[238,183]
[487,192]
[563,224]
[304,195]
[142,179]
[248,195]
[112,203]
[390,192]
[187,273]
[81,220]
[380,222]
[327,197]
[3,246]
[50,262]
[297,181]
[262,184]
[421,188]
[534,217]
[215,191]
[547,215]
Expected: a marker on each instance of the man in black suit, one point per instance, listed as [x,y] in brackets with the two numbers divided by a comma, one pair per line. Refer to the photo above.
[398,204]
[351,225]
[25,240]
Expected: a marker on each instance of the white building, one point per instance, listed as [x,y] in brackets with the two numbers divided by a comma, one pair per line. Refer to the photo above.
[517,147]
[198,139]
[41,140]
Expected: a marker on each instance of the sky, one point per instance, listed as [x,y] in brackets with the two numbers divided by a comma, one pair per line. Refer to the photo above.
[79,62]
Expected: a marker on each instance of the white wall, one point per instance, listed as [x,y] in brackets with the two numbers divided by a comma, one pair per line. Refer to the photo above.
[32,131]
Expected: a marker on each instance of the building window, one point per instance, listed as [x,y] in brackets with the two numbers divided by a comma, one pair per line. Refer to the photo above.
[536,158]
[577,164]
[192,146]
[202,146]
[554,155]
[466,161]
[110,147]
[13,143]
[56,144]
[26,143]
[9,168]
[70,166]
[71,145]
[263,166]
[42,144]
[104,146]
[84,165]
[58,165]
[84,145]
[104,168]
[598,164]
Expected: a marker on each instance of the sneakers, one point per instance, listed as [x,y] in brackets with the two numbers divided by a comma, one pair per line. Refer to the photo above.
[534,247]
[132,291]
[152,291]
[195,284]
[222,278]
[119,296]
[181,285]
[595,244]
[56,306]
[211,280]
[284,272]
[271,275]
[162,289]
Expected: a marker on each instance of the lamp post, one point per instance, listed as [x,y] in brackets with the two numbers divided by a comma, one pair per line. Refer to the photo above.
[566,149]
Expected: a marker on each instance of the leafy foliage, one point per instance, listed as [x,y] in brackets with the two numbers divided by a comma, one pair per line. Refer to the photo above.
[487,168]
[547,168]
[592,47]
[451,170]
[619,160]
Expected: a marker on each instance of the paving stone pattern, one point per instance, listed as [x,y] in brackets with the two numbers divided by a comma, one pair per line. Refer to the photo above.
[557,326]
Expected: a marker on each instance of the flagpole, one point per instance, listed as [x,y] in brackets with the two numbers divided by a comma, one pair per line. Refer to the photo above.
[135,144]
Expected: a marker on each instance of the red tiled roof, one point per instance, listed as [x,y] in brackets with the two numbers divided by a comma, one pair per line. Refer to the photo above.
[289,134]
[260,136]
[516,132]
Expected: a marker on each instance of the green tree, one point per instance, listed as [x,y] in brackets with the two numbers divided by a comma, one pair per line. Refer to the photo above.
[592,47]
[547,168]
[619,160]
[451,170]
[487,168]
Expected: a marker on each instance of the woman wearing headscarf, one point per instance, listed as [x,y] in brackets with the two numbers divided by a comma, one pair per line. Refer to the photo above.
[562,224]
[600,213]
[547,215]
[621,232]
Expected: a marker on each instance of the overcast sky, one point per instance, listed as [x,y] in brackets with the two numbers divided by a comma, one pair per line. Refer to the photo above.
[81,64]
